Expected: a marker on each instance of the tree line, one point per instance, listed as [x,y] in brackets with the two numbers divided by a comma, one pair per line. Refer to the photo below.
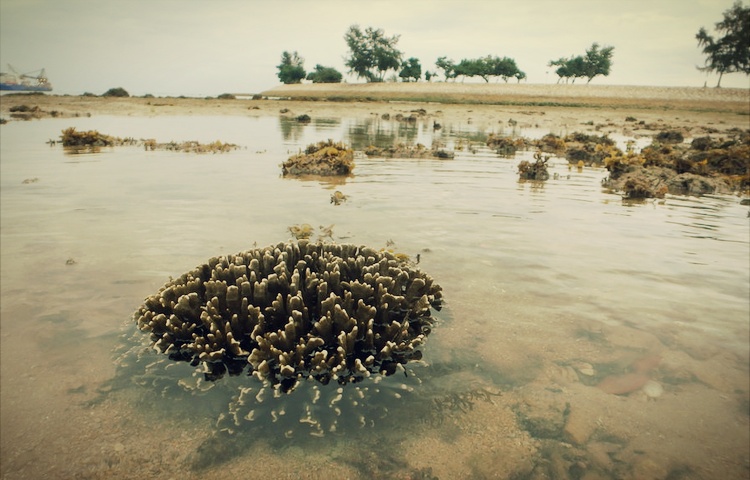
[373,54]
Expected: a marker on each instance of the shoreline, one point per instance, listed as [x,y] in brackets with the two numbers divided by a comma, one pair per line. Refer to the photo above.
[603,109]
[563,95]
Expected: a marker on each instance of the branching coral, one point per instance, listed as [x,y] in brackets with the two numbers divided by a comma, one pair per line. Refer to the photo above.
[296,315]
[295,310]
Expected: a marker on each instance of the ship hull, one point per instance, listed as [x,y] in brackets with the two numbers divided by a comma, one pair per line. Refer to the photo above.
[16,87]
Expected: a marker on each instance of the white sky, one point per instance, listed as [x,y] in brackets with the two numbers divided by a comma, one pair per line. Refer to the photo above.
[202,48]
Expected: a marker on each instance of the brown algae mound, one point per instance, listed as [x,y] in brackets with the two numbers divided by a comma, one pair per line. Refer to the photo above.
[323,158]
[190,146]
[706,165]
[72,138]
[319,327]
[91,140]
[577,147]
[408,151]
[507,146]
[24,112]
[668,165]
[534,171]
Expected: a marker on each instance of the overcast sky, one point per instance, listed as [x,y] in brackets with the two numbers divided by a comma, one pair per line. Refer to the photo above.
[205,48]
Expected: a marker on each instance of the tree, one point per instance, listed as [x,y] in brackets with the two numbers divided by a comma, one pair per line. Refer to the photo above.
[731,52]
[291,68]
[467,68]
[504,68]
[562,70]
[595,62]
[447,66]
[325,75]
[411,69]
[371,53]
[484,67]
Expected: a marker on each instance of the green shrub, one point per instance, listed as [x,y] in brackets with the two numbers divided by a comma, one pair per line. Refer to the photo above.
[116,92]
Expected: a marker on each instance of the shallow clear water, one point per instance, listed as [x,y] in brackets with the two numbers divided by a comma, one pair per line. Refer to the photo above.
[544,283]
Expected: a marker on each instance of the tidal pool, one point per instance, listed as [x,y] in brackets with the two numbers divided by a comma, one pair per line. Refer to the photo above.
[611,339]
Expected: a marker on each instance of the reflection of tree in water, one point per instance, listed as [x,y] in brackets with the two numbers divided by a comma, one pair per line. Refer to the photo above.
[362,132]
[326,123]
[381,133]
[291,129]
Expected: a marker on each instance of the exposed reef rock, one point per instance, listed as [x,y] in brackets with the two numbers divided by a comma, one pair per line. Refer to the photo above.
[309,316]
[72,138]
[536,170]
[706,165]
[323,158]
[577,147]
[507,146]
[92,140]
[408,151]
[190,146]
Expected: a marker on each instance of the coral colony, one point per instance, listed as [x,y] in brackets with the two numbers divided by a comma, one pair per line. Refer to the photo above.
[319,326]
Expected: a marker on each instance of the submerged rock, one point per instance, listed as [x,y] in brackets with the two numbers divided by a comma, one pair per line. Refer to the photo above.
[403,150]
[323,158]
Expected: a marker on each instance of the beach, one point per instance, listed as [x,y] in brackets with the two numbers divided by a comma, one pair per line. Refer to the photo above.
[547,106]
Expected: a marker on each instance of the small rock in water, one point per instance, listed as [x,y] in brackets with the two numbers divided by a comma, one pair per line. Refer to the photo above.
[652,389]
[585,369]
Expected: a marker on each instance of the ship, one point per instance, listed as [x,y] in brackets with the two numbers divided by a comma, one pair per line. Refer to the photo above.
[24,82]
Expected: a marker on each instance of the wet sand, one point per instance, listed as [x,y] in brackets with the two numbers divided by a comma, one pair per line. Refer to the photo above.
[573,107]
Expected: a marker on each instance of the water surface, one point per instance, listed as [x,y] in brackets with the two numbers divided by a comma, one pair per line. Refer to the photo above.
[550,288]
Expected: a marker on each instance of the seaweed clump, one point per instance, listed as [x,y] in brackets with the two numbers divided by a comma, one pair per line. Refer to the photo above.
[323,158]
[706,165]
[507,146]
[536,170]
[576,147]
[92,140]
[72,138]
[190,146]
[403,150]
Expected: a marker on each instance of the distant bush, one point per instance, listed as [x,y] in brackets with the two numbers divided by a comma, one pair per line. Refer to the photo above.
[24,108]
[148,95]
[325,75]
[226,96]
[88,94]
[116,92]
